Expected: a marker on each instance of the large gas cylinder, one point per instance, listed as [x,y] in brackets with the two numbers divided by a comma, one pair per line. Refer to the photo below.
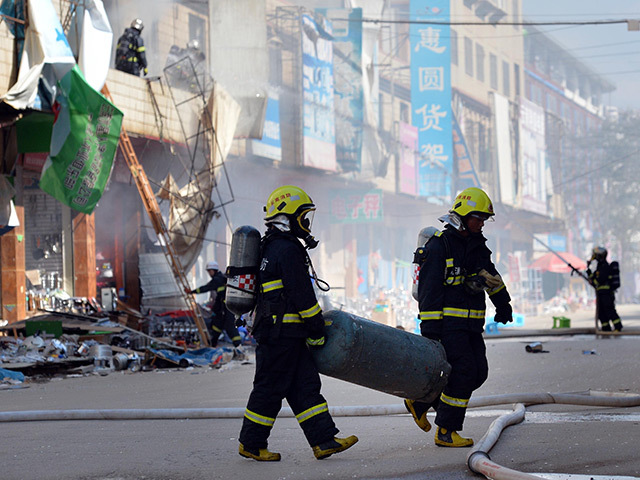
[380,357]
[241,273]
[423,237]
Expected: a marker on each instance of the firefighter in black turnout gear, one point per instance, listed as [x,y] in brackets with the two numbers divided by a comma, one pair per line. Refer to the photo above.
[288,322]
[456,272]
[605,279]
[131,56]
[222,319]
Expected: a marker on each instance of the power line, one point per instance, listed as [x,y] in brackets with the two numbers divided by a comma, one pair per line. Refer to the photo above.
[578,14]
[492,24]
[406,9]
[589,172]
[605,45]
[609,55]
[614,73]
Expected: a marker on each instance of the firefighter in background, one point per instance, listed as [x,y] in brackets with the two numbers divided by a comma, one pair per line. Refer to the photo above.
[192,74]
[605,280]
[222,319]
[288,322]
[131,56]
[452,311]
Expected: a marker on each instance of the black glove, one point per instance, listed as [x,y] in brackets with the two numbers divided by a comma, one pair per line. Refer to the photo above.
[588,271]
[503,315]
[240,322]
[315,343]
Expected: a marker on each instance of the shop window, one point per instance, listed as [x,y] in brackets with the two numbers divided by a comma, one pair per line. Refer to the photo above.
[479,62]
[468,56]
[506,88]
[454,47]
[493,71]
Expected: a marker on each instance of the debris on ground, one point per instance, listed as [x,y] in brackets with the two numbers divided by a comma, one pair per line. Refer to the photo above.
[76,344]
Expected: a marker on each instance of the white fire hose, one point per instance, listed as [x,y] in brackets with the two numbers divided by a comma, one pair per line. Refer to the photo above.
[478,459]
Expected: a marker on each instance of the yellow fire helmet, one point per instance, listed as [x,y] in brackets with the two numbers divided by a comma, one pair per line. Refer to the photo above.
[472,200]
[293,202]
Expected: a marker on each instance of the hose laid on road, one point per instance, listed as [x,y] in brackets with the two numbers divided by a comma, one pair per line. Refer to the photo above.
[478,459]
[181,413]
[591,398]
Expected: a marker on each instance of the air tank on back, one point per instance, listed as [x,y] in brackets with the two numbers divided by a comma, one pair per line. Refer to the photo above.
[380,357]
[244,260]
[423,237]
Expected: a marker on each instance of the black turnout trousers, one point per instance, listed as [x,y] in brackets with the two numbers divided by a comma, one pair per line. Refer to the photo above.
[286,369]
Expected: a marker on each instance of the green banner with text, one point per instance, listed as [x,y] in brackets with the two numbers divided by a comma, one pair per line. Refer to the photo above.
[83,144]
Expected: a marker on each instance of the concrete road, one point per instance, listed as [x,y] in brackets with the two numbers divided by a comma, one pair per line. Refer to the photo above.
[595,441]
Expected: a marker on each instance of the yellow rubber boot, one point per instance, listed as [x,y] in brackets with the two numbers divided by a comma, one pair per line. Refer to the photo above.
[337,445]
[421,420]
[261,454]
[450,438]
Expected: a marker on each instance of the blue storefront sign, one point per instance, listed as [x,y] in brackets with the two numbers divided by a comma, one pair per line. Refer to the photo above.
[348,97]
[466,172]
[269,146]
[318,115]
[431,97]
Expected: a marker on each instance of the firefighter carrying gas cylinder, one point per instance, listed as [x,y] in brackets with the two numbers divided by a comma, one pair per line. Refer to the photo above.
[605,279]
[222,318]
[456,272]
[288,322]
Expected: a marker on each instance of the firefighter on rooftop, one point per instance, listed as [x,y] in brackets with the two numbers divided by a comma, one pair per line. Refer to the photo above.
[131,54]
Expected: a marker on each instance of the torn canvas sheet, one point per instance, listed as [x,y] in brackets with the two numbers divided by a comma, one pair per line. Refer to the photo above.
[46,58]
[91,39]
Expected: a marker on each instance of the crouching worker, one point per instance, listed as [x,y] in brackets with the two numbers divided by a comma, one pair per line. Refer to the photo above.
[452,311]
[222,318]
[288,322]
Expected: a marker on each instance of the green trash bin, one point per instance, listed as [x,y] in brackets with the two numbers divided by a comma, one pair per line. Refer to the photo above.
[561,322]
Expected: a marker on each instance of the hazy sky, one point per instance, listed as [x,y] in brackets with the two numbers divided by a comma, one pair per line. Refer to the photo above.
[619,63]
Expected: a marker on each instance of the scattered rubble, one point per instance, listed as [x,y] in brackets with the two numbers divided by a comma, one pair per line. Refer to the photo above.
[67,344]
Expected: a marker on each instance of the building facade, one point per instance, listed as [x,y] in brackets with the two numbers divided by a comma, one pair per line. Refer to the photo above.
[382,123]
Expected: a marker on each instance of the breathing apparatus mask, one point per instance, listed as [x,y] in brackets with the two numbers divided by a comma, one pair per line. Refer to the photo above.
[300,226]
[304,223]
[453,219]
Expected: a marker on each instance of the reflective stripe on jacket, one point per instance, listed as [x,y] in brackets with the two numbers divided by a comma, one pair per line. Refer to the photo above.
[286,287]
[444,301]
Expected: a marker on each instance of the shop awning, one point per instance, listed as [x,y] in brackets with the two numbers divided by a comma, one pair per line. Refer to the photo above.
[550,262]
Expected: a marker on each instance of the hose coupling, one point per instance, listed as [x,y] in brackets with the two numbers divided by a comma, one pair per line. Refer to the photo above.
[472,458]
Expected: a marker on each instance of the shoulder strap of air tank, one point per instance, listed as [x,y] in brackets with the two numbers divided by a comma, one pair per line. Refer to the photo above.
[267,310]
[448,258]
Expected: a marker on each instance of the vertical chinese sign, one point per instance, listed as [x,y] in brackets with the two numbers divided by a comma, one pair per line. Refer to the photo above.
[347,68]
[318,120]
[431,97]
